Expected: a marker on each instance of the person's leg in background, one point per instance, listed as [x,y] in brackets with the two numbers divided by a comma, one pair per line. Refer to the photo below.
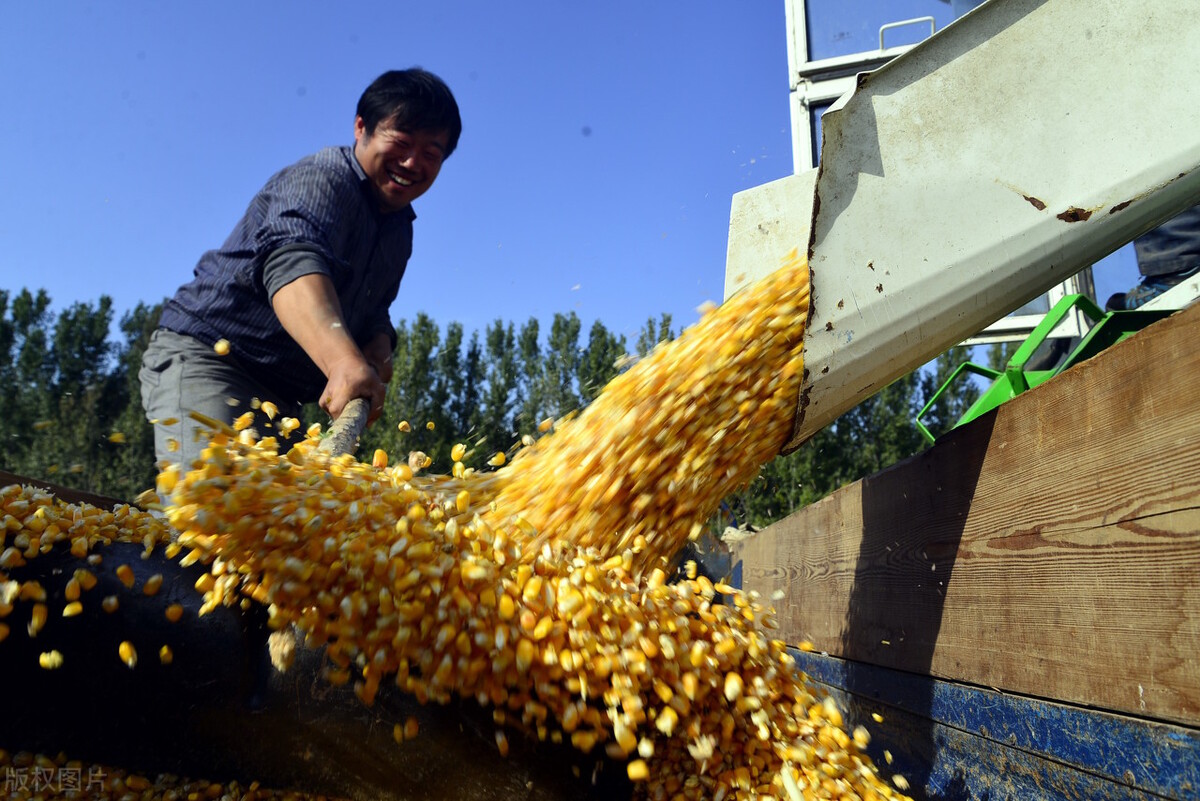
[1166,256]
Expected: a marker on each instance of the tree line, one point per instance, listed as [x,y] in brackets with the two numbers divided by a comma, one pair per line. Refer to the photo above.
[71,414]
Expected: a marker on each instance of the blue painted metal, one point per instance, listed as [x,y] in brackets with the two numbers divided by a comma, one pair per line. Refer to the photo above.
[961,742]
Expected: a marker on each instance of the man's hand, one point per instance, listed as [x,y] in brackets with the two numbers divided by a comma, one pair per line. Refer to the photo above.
[378,353]
[310,312]
[353,378]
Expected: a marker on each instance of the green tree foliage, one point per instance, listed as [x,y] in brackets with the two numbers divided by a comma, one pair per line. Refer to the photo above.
[501,393]
[598,362]
[66,390]
[560,366]
[531,395]
[654,333]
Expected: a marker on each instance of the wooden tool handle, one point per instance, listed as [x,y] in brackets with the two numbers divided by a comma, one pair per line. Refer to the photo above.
[345,431]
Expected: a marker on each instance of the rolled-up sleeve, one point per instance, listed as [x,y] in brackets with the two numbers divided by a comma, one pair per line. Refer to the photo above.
[290,262]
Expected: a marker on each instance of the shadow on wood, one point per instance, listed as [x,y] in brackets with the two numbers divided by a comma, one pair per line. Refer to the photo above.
[896,600]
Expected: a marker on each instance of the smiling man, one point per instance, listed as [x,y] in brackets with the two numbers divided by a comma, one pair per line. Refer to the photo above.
[294,306]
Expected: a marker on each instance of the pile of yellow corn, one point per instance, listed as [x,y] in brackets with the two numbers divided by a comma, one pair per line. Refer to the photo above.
[541,589]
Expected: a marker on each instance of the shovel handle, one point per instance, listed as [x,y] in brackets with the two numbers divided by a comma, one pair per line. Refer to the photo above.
[347,428]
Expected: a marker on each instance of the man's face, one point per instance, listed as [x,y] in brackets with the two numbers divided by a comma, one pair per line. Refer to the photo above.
[401,165]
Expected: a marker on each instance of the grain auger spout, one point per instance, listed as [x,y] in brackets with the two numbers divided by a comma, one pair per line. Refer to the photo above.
[971,174]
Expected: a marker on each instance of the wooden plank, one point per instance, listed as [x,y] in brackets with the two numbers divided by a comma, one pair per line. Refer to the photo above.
[1051,548]
[936,729]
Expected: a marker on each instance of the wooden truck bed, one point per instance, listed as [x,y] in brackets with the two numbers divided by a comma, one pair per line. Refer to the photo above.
[1021,602]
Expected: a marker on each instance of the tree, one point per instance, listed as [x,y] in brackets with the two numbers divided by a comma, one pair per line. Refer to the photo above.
[598,362]
[501,395]
[26,372]
[652,334]
[133,468]
[465,406]
[532,403]
[70,410]
[85,396]
[561,366]
[408,393]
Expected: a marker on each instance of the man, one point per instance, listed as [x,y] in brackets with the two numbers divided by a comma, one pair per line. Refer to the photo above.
[294,306]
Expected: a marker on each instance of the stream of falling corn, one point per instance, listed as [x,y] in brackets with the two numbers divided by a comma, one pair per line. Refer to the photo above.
[542,589]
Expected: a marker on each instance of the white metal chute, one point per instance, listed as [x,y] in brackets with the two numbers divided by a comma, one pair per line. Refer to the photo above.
[974,172]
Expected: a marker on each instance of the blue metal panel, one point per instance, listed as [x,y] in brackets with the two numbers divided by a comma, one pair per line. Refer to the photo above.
[961,742]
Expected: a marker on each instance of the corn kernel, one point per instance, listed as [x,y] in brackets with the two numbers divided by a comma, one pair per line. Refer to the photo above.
[733,686]
[37,619]
[221,347]
[125,574]
[128,654]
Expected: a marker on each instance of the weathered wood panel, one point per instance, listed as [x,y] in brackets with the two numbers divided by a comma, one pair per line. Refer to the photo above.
[1050,548]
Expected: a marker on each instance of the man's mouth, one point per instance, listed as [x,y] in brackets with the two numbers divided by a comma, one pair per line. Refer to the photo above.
[397,178]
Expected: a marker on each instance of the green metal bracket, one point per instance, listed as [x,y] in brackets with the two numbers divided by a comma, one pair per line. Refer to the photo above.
[1107,329]
[1015,370]
[965,367]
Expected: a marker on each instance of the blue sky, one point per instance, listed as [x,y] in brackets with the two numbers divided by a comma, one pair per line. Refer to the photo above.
[602,143]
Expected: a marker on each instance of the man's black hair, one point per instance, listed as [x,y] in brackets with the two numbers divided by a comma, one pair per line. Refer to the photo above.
[413,100]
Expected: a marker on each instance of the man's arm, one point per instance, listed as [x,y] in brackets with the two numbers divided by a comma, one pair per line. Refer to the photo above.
[309,310]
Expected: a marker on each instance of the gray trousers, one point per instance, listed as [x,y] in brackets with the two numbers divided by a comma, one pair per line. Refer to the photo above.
[181,374]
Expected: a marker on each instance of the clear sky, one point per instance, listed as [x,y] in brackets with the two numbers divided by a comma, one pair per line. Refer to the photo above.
[602,142]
